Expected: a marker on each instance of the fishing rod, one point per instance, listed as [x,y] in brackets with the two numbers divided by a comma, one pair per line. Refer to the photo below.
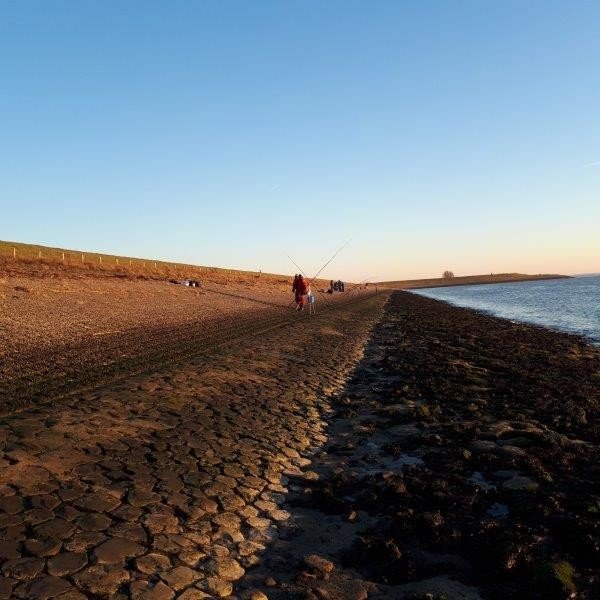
[296,265]
[319,271]
[305,275]
[356,285]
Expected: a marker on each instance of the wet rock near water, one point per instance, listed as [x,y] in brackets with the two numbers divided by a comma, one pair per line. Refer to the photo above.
[459,460]
[472,444]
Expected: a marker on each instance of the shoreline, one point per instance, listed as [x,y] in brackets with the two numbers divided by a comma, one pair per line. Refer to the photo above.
[418,448]
[586,337]
[462,462]
[447,283]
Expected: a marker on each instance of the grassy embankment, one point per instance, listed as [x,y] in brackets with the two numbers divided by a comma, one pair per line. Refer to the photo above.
[467,280]
[17,259]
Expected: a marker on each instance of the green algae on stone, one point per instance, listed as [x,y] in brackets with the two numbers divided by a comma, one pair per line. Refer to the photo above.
[557,578]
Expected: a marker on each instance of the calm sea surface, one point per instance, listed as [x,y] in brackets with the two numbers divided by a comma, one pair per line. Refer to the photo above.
[571,305]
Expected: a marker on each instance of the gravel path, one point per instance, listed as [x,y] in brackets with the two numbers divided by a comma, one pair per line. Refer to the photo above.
[171,484]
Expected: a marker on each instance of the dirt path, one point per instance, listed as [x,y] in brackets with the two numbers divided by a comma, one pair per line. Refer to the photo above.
[170,484]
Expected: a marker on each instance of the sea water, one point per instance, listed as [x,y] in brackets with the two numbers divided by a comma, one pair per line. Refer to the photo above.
[571,305]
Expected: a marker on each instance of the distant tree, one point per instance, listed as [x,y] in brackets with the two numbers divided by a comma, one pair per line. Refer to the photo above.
[448,275]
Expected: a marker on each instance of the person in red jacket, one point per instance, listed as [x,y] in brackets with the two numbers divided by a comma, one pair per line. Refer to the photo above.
[301,288]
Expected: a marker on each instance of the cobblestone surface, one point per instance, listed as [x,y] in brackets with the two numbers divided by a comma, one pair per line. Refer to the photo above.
[170,485]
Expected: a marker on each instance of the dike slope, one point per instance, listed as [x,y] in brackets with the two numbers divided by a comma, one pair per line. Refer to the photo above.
[59,334]
[466,280]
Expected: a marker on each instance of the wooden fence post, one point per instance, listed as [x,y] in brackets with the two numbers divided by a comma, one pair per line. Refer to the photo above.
[40,254]
[117,260]
[100,260]
[82,257]
[63,257]
[14,253]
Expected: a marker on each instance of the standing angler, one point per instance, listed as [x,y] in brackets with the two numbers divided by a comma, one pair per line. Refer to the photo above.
[300,289]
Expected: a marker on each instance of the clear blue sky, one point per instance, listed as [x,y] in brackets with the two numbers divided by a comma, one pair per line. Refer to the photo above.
[461,135]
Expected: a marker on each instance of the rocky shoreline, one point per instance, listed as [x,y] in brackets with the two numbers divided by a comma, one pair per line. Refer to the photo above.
[462,462]
[409,451]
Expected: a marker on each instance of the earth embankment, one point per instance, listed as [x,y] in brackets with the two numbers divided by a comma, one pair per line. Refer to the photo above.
[60,334]
[466,280]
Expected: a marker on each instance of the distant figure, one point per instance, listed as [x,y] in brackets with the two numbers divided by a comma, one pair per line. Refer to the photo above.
[295,288]
[300,293]
[310,297]
[336,286]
